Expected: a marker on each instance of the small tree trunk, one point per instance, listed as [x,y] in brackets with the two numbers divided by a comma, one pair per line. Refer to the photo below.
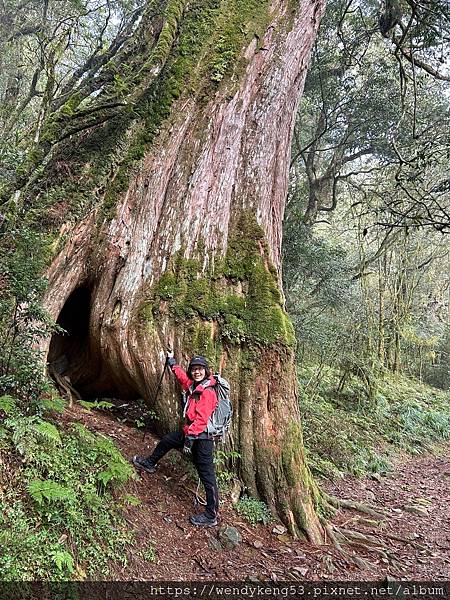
[381,350]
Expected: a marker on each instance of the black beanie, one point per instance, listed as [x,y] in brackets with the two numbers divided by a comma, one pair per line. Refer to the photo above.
[199,361]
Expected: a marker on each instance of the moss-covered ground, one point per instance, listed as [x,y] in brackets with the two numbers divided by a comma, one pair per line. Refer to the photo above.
[346,433]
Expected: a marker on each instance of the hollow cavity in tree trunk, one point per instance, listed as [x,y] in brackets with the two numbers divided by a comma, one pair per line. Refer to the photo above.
[75,359]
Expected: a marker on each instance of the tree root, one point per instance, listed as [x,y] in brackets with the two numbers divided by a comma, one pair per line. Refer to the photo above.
[65,387]
[334,538]
[356,536]
[341,537]
[412,543]
[379,513]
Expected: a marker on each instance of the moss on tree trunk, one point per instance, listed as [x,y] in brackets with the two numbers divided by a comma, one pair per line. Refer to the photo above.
[167,214]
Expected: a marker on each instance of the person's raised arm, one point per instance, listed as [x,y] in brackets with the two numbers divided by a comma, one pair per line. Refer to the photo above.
[179,373]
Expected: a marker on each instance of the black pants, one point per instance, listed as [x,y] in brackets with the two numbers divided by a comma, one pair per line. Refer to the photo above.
[202,457]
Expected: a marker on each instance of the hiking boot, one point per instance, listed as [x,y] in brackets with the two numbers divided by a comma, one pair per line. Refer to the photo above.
[203,520]
[144,464]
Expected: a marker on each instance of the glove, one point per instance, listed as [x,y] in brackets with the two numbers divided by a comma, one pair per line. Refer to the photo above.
[187,448]
[170,359]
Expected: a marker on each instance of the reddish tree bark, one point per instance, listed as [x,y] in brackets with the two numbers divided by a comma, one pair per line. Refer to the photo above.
[196,233]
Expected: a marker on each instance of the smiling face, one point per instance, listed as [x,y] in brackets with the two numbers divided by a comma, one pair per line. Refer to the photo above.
[198,373]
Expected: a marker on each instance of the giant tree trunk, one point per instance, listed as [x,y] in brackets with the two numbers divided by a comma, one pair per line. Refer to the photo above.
[179,202]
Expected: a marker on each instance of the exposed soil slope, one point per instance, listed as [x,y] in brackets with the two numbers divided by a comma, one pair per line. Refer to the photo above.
[412,541]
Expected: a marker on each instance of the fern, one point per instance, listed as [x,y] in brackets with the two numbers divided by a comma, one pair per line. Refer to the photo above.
[54,404]
[49,490]
[48,431]
[54,493]
[84,435]
[7,405]
[106,446]
[92,499]
[86,404]
[117,469]
[105,477]
[131,500]
[22,435]
[96,404]
[117,472]
[62,558]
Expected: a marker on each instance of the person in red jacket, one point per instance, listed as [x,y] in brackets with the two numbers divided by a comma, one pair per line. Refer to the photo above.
[200,402]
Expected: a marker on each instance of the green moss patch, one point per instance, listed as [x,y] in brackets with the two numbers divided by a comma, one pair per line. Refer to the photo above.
[241,295]
[292,448]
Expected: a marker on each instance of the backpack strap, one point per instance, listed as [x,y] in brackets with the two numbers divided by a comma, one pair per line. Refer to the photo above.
[186,395]
[189,392]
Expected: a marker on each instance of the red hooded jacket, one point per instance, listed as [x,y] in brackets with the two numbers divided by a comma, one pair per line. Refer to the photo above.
[201,402]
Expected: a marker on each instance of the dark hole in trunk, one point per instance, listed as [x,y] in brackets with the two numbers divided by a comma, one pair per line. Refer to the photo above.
[75,355]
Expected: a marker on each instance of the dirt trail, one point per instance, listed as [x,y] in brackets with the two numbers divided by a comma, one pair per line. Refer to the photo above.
[411,543]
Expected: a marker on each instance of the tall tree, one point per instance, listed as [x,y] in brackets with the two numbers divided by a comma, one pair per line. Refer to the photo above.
[160,180]
[369,113]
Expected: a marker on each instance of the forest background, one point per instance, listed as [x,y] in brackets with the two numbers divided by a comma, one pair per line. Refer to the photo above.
[365,258]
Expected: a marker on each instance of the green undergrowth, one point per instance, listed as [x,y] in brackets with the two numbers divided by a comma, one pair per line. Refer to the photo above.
[254,511]
[347,433]
[60,498]
[225,467]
